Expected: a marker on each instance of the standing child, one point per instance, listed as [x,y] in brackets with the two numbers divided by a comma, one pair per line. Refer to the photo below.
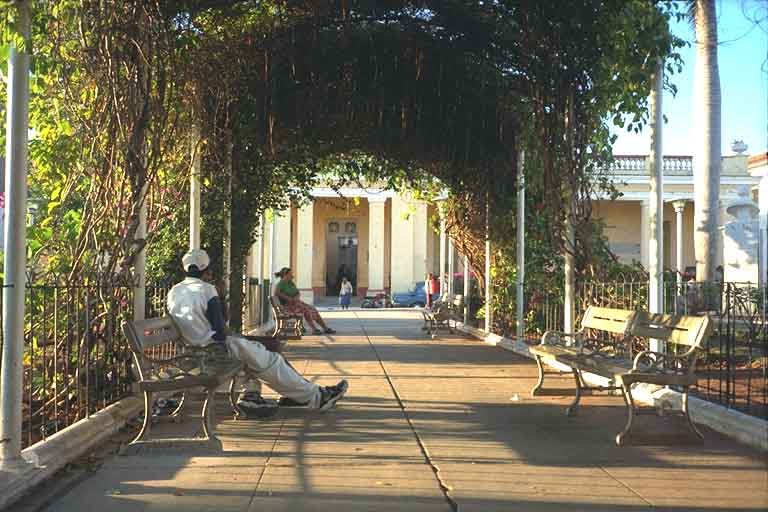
[345,293]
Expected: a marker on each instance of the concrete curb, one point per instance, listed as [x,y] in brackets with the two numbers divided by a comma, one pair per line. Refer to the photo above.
[43,459]
[746,429]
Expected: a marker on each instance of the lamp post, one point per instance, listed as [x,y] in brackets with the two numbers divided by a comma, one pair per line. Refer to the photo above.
[15,259]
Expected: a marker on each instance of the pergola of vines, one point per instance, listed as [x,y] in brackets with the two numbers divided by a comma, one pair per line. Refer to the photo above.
[286,90]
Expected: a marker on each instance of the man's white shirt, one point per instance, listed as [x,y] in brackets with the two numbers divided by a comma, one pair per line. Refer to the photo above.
[187,303]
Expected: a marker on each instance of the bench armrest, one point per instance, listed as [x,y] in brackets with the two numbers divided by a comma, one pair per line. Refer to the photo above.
[558,338]
[648,360]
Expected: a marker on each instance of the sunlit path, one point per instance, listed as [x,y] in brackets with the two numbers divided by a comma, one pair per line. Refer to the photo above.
[427,425]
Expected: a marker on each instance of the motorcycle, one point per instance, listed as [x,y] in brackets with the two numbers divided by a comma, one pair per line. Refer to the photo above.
[380,300]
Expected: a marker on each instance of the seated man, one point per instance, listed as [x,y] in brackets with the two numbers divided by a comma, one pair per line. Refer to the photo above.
[196,309]
[290,297]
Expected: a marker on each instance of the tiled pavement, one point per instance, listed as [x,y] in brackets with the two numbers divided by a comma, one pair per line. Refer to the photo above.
[443,425]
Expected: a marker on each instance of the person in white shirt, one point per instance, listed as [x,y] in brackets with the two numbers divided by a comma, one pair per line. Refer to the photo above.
[197,311]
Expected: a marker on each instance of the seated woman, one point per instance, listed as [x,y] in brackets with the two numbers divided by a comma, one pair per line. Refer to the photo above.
[289,296]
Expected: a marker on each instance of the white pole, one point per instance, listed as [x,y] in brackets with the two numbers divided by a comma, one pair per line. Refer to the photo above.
[656,238]
[14,286]
[521,248]
[450,267]
[570,269]
[442,255]
[227,256]
[466,289]
[272,252]
[488,319]
[140,266]
[762,198]
[260,266]
[194,190]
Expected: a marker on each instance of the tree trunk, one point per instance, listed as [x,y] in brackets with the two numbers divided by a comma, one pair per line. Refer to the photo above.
[708,152]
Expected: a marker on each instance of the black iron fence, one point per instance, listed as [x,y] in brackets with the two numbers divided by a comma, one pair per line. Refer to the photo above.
[734,369]
[76,361]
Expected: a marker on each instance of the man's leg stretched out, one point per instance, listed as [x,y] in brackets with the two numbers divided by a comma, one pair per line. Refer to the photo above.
[274,370]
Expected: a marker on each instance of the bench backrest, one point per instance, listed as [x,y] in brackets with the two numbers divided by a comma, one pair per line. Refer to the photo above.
[144,334]
[616,321]
[675,329]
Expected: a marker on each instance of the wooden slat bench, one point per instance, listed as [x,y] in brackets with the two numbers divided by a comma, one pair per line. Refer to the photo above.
[611,356]
[191,367]
[287,325]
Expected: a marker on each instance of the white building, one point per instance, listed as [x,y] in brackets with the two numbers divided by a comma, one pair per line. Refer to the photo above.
[383,241]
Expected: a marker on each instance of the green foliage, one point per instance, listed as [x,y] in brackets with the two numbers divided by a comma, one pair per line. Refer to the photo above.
[428,97]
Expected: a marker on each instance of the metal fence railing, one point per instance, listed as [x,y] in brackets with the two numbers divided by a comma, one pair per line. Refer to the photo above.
[76,360]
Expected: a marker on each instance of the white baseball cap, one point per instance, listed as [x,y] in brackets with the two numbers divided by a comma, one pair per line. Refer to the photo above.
[196,257]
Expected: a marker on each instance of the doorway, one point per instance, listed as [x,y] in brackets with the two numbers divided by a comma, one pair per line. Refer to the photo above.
[340,255]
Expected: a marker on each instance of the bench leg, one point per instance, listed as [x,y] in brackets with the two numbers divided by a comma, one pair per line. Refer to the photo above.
[687,412]
[147,425]
[232,399]
[572,409]
[540,381]
[208,404]
[424,327]
[298,327]
[621,437]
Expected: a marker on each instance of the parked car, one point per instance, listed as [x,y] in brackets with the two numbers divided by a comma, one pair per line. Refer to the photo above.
[415,298]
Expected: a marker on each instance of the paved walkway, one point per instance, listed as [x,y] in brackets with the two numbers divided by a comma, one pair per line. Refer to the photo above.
[439,425]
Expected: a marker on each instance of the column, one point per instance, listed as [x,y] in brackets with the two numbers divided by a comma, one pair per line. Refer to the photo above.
[679,207]
[645,229]
[419,226]
[281,240]
[401,251]
[376,223]
[17,125]
[305,252]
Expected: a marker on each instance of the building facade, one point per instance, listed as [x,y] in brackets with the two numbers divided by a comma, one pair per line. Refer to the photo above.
[386,242]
